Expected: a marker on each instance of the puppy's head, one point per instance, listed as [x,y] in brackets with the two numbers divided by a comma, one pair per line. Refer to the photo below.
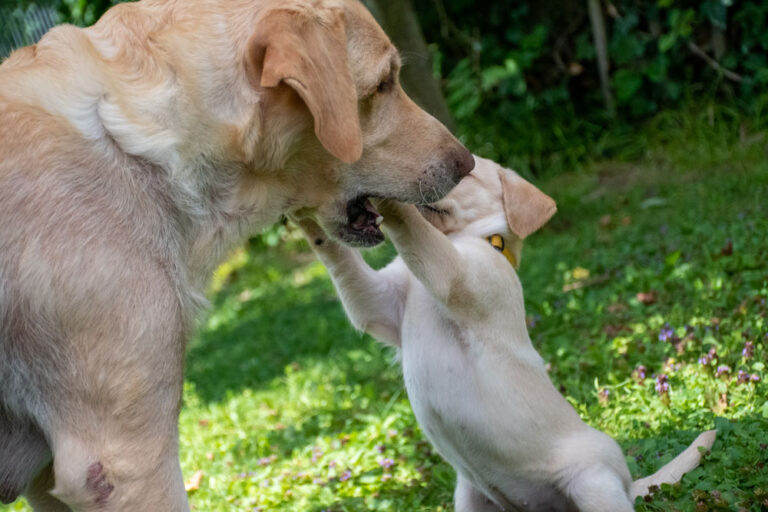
[490,201]
[329,67]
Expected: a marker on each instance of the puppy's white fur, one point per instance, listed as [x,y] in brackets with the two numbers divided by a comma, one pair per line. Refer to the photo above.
[454,306]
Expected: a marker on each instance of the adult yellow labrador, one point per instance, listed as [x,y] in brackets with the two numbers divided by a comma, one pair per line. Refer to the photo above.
[133,155]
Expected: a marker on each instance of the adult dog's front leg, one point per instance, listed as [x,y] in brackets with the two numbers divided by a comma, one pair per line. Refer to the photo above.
[373,300]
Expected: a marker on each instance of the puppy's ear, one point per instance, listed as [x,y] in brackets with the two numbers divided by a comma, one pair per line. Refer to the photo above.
[526,207]
[310,56]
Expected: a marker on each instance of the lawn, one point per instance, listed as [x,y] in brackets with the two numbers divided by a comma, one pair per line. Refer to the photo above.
[646,294]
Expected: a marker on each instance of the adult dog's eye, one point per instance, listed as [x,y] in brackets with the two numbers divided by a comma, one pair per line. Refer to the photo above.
[386,85]
[432,209]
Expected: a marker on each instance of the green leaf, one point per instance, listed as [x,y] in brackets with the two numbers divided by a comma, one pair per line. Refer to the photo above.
[627,83]
[666,42]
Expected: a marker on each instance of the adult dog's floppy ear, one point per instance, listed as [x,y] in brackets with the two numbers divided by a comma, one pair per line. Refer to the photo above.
[526,207]
[310,56]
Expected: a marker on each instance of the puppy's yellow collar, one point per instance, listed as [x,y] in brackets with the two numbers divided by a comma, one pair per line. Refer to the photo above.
[498,243]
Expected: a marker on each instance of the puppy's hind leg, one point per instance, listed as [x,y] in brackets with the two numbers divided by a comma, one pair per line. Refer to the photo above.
[599,490]
[466,498]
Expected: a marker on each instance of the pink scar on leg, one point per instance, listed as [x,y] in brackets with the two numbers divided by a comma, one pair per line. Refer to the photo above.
[96,481]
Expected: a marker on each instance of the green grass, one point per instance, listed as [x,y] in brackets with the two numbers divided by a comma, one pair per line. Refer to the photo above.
[287,408]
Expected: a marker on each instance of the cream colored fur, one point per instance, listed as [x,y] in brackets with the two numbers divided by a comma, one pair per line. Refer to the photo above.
[453,305]
[134,155]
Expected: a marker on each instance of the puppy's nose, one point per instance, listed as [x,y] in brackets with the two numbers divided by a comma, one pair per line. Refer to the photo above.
[461,162]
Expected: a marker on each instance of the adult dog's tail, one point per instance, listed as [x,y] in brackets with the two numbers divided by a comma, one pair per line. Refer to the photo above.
[674,470]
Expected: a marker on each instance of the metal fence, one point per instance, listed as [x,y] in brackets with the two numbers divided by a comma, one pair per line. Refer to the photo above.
[22,27]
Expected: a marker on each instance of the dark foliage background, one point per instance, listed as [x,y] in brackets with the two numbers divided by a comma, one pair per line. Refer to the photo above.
[525,76]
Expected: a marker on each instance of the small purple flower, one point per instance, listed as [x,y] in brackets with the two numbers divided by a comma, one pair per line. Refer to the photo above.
[708,357]
[748,351]
[662,384]
[332,464]
[742,377]
[346,475]
[381,448]
[671,366]
[722,370]
[386,463]
[640,373]
[318,481]
[603,396]
[666,333]
[754,378]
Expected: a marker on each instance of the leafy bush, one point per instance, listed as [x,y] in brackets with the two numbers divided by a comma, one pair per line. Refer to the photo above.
[522,78]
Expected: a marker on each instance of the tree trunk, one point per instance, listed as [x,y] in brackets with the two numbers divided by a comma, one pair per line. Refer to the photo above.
[601,48]
[399,21]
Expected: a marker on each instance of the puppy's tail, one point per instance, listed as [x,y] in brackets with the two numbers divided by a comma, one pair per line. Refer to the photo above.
[674,470]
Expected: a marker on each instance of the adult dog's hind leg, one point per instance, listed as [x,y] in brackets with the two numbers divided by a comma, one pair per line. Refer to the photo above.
[120,472]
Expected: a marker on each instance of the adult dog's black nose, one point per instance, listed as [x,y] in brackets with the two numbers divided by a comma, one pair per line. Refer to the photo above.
[461,162]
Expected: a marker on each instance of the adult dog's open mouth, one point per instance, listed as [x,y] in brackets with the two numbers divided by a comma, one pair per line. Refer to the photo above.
[363,223]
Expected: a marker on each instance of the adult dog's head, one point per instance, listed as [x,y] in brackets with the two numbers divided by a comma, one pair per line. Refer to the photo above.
[258,106]
[327,66]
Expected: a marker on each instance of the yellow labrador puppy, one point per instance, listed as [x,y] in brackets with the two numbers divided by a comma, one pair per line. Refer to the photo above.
[452,303]
[133,155]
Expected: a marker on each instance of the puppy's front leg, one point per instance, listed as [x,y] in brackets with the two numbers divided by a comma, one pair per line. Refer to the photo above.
[429,254]
[373,300]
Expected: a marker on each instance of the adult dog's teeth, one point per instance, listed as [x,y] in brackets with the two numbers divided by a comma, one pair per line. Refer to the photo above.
[379,220]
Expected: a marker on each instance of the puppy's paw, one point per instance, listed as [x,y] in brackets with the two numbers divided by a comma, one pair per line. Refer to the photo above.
[395,213]
[312,230]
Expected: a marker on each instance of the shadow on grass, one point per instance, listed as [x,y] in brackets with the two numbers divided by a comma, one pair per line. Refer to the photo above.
[271,316]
